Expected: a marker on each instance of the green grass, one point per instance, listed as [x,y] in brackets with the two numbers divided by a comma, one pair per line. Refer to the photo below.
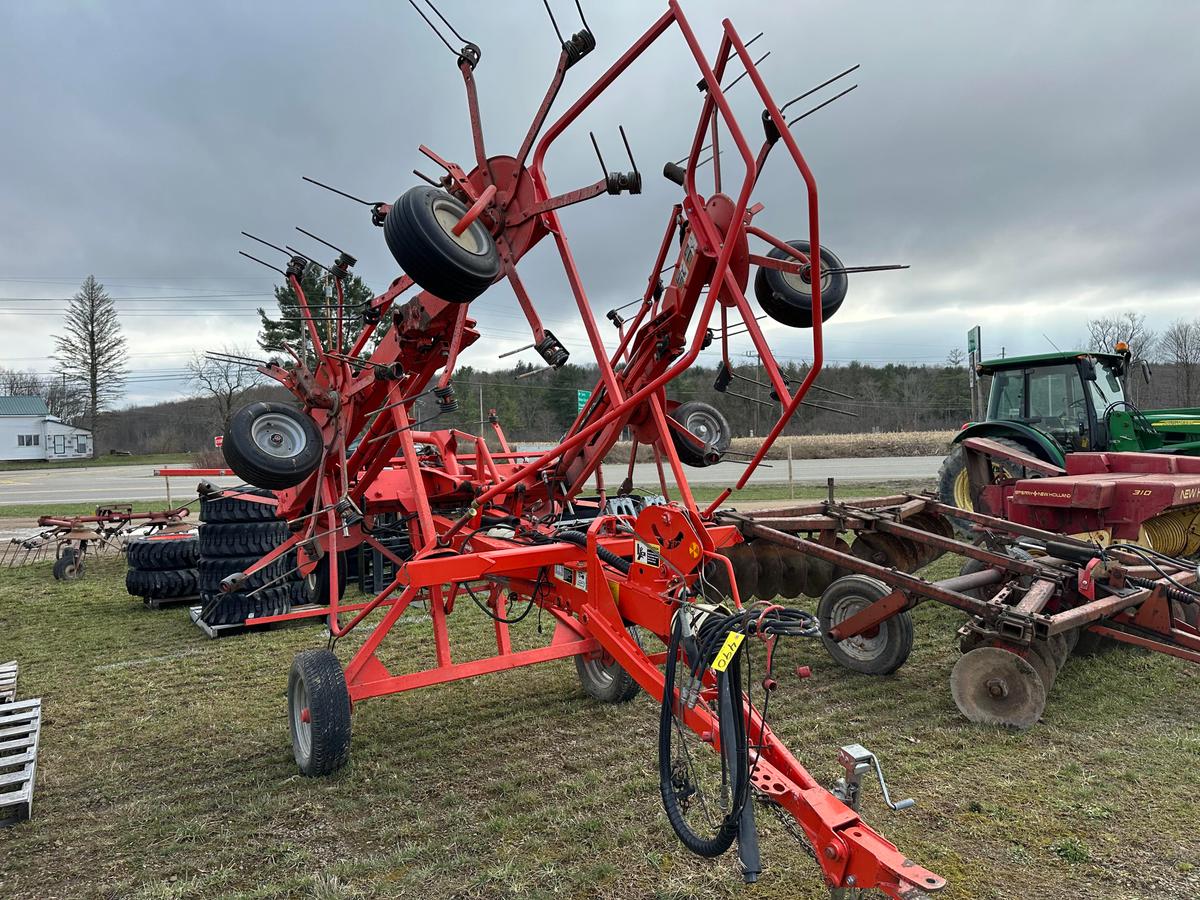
[166,770]
[702,493]
[107,460]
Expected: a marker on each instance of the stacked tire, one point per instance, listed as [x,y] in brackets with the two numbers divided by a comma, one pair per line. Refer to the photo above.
[237,529]
[163,567]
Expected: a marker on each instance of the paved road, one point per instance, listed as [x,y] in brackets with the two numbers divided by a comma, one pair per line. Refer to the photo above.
[139,482]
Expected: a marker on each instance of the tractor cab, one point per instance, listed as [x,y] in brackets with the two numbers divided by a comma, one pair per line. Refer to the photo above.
[1067,396]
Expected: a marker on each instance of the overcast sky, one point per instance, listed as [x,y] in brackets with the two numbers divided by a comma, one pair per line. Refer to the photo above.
[1035,163]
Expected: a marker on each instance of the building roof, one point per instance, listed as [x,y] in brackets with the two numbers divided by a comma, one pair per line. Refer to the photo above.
[23,406]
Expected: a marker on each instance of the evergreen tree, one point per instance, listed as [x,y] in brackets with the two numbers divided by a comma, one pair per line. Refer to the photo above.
[92,350]
[289,327]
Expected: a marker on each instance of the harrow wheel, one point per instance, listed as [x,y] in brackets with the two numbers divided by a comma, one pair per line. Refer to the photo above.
[272,445]
[603,678]
[319,712]
[878,651]
[992,686]
[69,565]
[706,423]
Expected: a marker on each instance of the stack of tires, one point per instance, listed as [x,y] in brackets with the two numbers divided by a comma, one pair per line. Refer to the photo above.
[237,529]
[163,567]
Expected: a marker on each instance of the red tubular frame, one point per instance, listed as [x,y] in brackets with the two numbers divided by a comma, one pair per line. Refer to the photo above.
[590,601]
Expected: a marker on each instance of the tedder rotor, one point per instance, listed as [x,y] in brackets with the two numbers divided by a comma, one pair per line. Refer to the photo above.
[634,586]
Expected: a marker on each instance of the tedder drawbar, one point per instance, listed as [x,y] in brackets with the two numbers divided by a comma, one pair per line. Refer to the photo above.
[630,583]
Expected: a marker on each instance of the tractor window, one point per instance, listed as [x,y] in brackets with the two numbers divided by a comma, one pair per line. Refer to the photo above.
[1106,389]
[1056,395]
[1007,396]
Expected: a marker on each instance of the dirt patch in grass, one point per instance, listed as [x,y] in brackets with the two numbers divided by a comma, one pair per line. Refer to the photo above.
[166,770]
[827,446]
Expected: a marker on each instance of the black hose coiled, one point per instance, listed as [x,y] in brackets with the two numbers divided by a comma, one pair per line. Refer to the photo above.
[734,749]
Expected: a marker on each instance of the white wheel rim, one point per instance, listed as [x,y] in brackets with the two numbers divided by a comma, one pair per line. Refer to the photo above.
[797,283]
[278,436]
[704,426]
[301,730]
[448,216]
[859,647]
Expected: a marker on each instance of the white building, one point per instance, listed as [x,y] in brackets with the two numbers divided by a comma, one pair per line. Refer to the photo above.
[29,432]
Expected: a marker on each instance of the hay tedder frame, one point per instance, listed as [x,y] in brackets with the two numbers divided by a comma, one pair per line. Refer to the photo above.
[513,530]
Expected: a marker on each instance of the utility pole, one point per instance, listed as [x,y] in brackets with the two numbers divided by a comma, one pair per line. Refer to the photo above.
[481,416]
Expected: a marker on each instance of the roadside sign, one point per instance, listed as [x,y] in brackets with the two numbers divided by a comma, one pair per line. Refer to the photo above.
[582,397]
[218,440]
[973,340]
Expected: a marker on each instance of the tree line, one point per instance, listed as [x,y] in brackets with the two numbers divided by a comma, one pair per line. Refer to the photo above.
[536,404]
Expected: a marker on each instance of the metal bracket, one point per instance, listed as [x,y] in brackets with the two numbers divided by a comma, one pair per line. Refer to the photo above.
[857,760]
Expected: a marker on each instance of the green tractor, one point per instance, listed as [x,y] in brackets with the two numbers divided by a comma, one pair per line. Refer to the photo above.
[1052,404]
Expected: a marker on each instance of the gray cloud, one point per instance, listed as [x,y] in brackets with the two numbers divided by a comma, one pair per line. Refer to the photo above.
[1033,165]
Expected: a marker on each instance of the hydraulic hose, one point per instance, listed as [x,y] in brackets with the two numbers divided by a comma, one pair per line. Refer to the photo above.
[580,539]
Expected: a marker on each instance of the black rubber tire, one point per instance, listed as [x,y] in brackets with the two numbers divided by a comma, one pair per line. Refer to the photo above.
[430,255]
[161,553]
[895,635]
[237,606]
[954,466]
[608,684]
[213,569]
[255,465]
[244,539]
[316,585]
[237,506]
[160,585]
[697,410]
[782,300]
[317,678]
[69,565]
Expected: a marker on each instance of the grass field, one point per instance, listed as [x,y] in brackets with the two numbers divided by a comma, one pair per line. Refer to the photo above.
[145,459]
[702,492]
[166,771]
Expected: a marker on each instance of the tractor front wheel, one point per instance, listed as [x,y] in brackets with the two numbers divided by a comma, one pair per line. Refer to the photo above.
[319,712]
[954,486]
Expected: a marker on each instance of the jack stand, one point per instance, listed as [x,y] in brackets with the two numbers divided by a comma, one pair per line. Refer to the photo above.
[857,760]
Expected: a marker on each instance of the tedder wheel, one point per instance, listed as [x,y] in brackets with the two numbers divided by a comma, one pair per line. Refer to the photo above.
[787,298]
[603,678]
[708,424]
[319,712]
[994,687]
[68,566]
[419,230]
[879,651]
[272,445]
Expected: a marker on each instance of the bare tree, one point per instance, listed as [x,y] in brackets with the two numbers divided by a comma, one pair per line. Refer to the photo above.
[955,358]
[62,397]
[1180,346]
[222,382]
[92,350]
[1130,327]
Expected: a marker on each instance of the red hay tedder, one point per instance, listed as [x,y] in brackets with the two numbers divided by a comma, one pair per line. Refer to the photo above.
[515,530]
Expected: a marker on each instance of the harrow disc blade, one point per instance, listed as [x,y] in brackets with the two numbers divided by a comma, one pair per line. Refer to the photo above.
[795,573]
[820,576]
[770,570]
[994,687]
[745,570]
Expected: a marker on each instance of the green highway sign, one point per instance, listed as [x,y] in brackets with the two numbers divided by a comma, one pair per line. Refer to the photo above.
[583,397]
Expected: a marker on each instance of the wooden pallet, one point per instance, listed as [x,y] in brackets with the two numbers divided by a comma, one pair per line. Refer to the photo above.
[8,681]
[20,727]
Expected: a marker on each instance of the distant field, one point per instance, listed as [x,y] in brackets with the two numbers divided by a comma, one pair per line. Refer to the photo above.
[829,446]
[146,459]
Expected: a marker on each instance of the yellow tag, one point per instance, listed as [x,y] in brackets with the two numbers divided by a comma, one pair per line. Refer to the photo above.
[725,654]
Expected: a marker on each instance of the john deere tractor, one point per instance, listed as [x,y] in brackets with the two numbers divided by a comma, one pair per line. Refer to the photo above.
[1052,404]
